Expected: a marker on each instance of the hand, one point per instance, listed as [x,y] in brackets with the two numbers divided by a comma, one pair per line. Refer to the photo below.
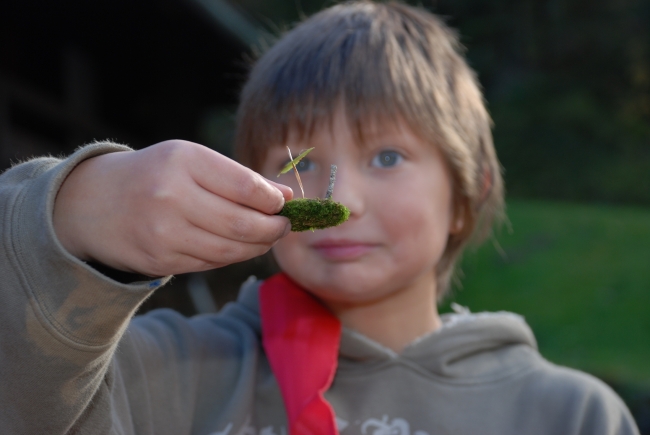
[174,207]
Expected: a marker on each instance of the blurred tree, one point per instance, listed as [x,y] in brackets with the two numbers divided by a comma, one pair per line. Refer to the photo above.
[568,83]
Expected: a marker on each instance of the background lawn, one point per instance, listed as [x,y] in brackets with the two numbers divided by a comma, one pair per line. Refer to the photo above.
[580,276]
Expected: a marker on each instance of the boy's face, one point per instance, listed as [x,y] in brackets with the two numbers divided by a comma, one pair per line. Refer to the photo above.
[399,191]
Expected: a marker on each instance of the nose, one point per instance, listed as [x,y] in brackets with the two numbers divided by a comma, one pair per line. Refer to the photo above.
[348,190]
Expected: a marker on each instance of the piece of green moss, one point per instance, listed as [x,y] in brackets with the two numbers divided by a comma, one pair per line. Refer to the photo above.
[314,213]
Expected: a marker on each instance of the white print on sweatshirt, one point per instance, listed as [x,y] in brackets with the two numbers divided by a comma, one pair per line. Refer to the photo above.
[372,426]
[248,429]
[397,426]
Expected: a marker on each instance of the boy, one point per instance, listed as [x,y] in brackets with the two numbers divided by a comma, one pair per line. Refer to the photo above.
[348,338]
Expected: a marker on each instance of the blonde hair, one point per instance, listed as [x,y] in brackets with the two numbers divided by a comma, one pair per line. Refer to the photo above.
[380,61]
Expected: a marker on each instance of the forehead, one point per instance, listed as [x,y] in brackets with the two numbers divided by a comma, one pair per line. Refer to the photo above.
[358,131]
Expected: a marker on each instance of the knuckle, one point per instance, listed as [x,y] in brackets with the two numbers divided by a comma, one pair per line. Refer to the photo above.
[248,187]
[162,194]
[167,156]
[241,227]
[159,231]
[158,167]
[156,188]
[275,199]
[162,191]
[253,189]
[172,150]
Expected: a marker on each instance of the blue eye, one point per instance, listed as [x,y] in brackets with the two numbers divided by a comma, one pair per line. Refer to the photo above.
[386,159]
[303,165]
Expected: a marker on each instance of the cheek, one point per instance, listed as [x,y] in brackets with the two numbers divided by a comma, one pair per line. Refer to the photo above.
[419,228]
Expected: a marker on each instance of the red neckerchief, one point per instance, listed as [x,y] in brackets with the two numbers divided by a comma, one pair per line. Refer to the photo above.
[301,340]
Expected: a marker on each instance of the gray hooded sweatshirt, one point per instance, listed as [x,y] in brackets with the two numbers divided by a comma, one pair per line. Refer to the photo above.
[73,361]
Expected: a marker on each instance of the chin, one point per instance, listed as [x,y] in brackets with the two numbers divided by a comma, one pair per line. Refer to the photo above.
[344,286]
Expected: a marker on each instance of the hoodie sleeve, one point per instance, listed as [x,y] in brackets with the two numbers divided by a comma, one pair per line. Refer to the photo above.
[60,320]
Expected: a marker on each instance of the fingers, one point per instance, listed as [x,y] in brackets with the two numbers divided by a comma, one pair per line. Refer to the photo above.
[228,179]
[217,250]
[232,221]
[198,250]
[287,192]
[176,207]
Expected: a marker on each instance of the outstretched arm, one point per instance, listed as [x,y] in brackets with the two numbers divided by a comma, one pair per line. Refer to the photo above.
[139,211]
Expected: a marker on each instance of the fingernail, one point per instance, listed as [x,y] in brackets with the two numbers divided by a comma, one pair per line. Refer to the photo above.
[287,229]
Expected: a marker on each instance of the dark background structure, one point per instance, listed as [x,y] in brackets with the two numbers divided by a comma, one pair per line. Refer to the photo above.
[136,72]
[567,83]
[73,71]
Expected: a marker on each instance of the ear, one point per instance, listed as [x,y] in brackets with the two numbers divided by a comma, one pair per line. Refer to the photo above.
[457,223]
[461,207]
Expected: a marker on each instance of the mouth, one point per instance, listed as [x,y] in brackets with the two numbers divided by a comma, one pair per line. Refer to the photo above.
[342,250]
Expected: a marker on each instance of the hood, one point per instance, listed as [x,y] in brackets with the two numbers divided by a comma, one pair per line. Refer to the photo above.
[468,348]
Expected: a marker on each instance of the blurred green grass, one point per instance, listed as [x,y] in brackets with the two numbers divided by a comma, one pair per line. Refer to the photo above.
[580,275]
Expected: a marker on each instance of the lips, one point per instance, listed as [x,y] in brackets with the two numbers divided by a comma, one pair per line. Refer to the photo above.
[342,249]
